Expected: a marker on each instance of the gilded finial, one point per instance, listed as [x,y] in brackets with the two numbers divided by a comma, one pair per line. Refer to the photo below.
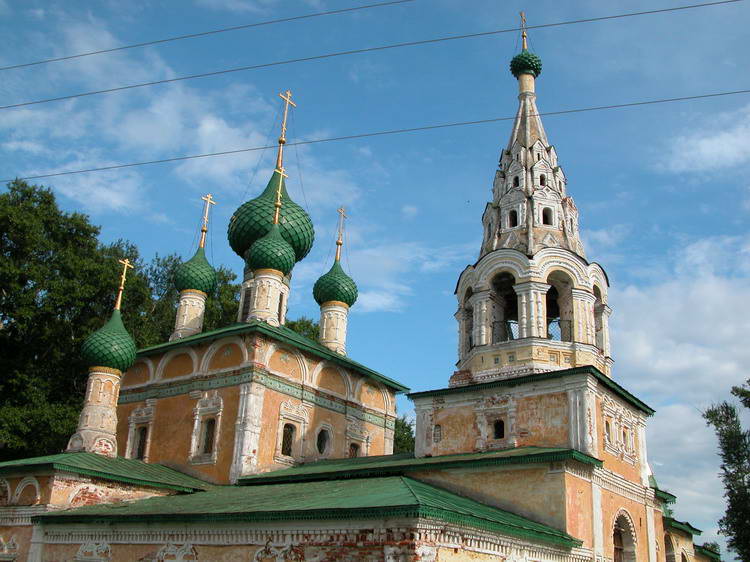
[204,226]
[125,266]
[523,30]
[287,97]
[340,238]
[277,204]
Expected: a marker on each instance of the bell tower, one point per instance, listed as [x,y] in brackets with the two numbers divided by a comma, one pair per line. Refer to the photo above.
[533,302]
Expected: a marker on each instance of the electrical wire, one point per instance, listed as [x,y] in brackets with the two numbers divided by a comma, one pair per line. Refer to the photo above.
[384,133]
[354,52]
[205,33]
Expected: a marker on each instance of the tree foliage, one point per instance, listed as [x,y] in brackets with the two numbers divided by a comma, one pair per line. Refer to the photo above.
[403,436]
[305,327]
[57,286]
[734,449]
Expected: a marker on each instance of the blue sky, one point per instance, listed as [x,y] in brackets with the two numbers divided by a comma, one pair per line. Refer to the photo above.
[663,198]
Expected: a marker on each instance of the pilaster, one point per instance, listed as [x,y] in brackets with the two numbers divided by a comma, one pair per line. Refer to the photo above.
[247,431]
[334,317]
[531,309]
[583,316]
[482,305]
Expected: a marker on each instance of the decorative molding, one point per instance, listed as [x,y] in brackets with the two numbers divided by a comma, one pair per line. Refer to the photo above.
[20,515]
[210,405]
[171,552]
[93,552]
[8,549]
[27,481]
[140,417]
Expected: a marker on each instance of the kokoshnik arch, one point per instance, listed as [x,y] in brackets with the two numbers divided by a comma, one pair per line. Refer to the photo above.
[252,442]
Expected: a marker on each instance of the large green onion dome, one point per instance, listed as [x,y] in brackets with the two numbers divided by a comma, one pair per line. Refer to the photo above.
[335,286]
[526,62]
[110,346]
[253,219]
[271,252]
[196,274]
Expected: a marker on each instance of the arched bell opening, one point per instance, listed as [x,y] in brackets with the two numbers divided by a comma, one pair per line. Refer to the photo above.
[559,305]
[467,321]
[599,318]
[504,308]
[623,543]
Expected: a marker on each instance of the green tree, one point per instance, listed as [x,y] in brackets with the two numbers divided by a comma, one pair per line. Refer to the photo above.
[304,326]
[734,449]
[403,436]
[57,285]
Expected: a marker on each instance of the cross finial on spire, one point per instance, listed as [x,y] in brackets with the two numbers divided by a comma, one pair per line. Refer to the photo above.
[204,227]
[277,212]
[523,30]
[125,266]
[287,97]
[340,240]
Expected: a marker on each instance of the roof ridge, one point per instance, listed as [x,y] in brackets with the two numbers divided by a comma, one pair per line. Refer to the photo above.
[407,482]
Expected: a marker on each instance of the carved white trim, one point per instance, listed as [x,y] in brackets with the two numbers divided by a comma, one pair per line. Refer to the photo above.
[140,417]
[93,552]
[210,405]
[19,515]
[164,361]
[247,430]
[8,549]
[173,553]
[27,481]
[299,416]
[150,371]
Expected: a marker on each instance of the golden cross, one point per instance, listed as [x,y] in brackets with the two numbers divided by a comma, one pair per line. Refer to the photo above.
[340,240]
[125,265]
[287,97]
[282,175]
[204,227]
[523,29]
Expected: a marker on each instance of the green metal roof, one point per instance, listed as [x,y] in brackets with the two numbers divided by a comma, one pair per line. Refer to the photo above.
[335,285]
[339,499]
[706,552]
[280,333]
[672,523]
[119,469]
[392,465]
[110,346]
[586,370]
[271,251]
[526,62]
[196,274]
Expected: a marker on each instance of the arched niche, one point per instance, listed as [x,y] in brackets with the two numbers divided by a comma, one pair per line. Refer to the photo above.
[330,378]
[27,492]
[179,365]
[623,538]
[140,373]
[371,396]
[287,361]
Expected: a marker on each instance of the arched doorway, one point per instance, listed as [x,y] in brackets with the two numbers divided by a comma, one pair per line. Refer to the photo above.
[504,308]
[623,539]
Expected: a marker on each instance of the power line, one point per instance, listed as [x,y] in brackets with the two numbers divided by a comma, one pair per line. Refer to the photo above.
[356,52]
[382,133]
[204,33]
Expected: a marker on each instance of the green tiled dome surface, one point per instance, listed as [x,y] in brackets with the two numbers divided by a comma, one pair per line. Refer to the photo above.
[196,274]
[110,346]
[271,252]
[253,219]
[526,62]
[335,286]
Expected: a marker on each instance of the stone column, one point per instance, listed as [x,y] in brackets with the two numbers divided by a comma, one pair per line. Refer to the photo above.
[190,311]
[266,303]
[532,321]
[583,316]
[246,295]
[97,425]
[334,317]
[247,431]
[482,304]
[606,312]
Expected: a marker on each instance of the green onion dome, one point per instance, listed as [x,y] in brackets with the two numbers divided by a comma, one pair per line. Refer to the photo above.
[196,274]
[271,252]
[335,286]
[526,62]
[110,346]
[253,219]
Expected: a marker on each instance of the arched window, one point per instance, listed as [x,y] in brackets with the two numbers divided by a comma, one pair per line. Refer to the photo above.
[437,433]
[141,438]
[516,181]
[683,558]
[559,304]
[498,429]
[543,180]
[504,308]
[623,545]
[669,549]
[287,439]
[353,451]
[599,318]
[608,431]
[323,440]
[547,216]
[209,436]
[512,218]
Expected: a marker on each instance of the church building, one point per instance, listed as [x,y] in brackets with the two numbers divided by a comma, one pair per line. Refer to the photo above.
[254,443]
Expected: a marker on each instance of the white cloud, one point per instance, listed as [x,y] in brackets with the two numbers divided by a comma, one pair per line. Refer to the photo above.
[723,142]
[238,5]
[409,211]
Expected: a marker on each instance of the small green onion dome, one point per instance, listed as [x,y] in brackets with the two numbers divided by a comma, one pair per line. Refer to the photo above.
[526,62]
[253,219]
[271,252]
[110,346]
[196,274]
[335,286]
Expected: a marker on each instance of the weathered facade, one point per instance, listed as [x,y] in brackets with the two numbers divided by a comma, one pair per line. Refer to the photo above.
[255,443]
